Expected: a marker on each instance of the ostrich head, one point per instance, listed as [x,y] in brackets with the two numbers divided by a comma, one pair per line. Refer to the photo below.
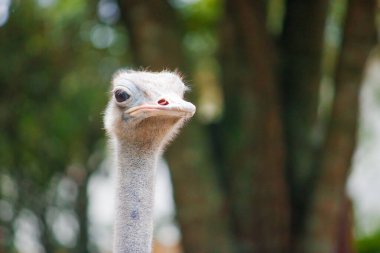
[146,108]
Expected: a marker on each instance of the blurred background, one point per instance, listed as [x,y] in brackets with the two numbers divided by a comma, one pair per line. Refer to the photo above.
[283,154]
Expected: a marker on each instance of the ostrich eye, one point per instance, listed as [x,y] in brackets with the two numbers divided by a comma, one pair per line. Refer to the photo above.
[121,96]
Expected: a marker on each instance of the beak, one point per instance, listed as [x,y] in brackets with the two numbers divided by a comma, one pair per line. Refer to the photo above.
[164,107]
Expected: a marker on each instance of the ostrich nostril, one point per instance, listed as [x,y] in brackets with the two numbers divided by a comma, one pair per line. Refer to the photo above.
[163,101]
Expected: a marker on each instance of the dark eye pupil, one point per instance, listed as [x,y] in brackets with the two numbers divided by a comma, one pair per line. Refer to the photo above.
[121,96]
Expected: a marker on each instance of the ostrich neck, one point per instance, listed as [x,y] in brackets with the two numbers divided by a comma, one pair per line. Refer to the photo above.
[133,227]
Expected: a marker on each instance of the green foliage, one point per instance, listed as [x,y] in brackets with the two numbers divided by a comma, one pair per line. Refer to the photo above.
[369,244]
[199,14]
[53,84]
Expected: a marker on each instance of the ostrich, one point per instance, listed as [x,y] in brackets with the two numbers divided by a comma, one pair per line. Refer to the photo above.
[144,113]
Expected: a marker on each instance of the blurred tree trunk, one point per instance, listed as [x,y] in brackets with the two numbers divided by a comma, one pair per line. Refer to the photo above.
[302,48]
[345,243]
[156,44]
[81,208]
[253,147]
[322,224]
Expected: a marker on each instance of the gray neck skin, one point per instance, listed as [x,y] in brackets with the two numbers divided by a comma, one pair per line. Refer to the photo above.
[133,226]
